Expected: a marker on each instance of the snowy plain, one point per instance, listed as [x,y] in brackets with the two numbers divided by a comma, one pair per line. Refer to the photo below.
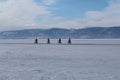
[82,60]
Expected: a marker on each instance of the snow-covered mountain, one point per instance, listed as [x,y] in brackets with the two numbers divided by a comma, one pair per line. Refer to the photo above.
[85,33]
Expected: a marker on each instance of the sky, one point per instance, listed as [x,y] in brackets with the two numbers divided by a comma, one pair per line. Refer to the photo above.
[44,14]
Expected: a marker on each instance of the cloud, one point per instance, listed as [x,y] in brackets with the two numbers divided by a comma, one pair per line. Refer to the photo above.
[109,16]
[21,13]
[49,2]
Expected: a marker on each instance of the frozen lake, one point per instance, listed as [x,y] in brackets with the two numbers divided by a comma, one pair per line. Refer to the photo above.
[85,60]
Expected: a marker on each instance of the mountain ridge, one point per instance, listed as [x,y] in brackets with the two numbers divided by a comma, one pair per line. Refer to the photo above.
[84,33]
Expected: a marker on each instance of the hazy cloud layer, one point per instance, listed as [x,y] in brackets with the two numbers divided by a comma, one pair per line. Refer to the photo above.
[18,14]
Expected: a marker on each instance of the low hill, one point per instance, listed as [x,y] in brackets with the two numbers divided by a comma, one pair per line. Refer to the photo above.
[85,33]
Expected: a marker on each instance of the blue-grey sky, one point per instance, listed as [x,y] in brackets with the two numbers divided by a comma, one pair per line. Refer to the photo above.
[22,14]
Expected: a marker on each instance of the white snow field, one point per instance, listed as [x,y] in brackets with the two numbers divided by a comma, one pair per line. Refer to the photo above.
[89,60]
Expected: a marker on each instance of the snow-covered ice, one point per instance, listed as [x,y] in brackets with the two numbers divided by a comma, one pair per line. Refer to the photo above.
[60,62]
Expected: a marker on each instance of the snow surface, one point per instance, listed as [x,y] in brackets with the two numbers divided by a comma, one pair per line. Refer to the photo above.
[60,62]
